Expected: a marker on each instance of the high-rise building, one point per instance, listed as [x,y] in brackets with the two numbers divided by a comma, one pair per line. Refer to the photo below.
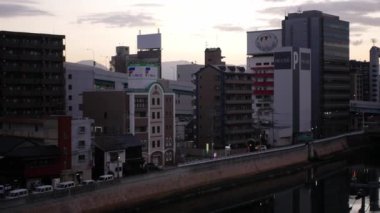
[223,106]
[374,81]
[328,39]
[32,77]
[261,46]
[360,84]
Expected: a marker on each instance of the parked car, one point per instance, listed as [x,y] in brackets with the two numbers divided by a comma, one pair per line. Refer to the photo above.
[87,182]
[105,178]
[17,193]
[65,185]
[42,189]
[4,188]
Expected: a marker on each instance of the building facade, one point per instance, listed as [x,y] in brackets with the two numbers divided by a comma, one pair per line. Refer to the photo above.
[328,39]
[261,46]
[148,113]
[80,78]
[82,141]
[223,106]
[149,52]
[360,83]
[32,77]
[292,95]
[374,81]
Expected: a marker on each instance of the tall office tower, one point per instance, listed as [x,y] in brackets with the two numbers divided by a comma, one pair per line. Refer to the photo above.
[374,55]
[261,46]
[328,38]
[360,84]
[32,77]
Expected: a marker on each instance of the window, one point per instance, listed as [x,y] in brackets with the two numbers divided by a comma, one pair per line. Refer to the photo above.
[70,108]
[70,87]
[81,158]
[81,144]
[158,101]
[158,129]
[153,115]
[153,144]
[114,156]
[105,115]
[158,143]
[153,129]
[70,97]
[36,128]
[153,101]
[82,129]
[69,76]
[158,115]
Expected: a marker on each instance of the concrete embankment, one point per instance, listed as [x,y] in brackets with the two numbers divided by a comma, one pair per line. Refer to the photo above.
[133,190]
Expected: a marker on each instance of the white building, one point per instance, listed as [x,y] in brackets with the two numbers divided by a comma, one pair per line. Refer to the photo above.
[261,46]
[82,140]
[80,78]
[292,95]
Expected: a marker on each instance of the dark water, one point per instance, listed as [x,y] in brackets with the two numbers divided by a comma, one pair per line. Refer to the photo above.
[337,185]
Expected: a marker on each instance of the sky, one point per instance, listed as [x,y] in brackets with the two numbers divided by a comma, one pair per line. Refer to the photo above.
[93,28]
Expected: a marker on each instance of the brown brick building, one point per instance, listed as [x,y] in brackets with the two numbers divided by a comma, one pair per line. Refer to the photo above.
[223,106]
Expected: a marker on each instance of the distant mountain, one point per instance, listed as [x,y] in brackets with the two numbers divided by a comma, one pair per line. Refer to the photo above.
[169,69]
[91,62]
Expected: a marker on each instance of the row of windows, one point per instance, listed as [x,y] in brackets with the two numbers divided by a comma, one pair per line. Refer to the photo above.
[154,128]
[156,143]
[156,115]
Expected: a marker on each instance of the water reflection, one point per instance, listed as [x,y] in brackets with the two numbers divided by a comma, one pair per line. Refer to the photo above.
[335,186]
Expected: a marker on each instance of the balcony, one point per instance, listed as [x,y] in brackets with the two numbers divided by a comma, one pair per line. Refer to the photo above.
[234,101]
[238,121]
[230,131]
[238,111]
[238,92]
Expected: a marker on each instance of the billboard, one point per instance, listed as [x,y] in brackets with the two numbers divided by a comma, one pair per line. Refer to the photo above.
[142,71]
[149,41]
[260,42]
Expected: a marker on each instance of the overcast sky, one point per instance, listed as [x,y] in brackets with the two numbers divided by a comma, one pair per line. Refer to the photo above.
[187,27]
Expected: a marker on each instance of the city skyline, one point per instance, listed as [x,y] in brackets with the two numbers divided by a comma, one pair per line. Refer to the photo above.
[94,28]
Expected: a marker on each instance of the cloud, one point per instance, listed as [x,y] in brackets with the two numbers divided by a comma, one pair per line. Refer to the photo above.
[15,10]
[357,42]
[228,28]
[353,11]
[147,5]
[119,19]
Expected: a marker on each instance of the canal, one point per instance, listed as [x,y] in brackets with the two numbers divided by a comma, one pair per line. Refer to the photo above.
[343,184]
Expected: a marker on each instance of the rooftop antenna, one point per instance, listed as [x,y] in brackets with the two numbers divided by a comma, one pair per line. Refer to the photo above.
[139,32]
[158,30]
[299,10]
[374,40]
